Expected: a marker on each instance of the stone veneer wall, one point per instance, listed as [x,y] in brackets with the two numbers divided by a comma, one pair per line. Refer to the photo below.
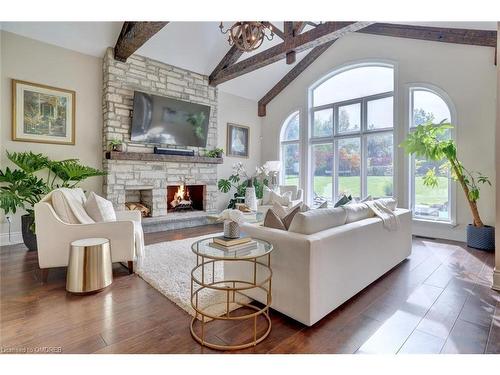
[147,75]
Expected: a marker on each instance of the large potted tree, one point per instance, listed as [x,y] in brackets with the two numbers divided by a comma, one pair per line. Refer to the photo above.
[429,141]
[23,187]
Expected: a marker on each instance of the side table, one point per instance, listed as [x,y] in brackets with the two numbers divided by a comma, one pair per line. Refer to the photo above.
[261,275]
[89,267]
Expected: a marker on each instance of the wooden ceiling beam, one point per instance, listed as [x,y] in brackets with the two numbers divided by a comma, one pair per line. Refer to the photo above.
[133,35]
[298,27]
[485,38]
[229,59]
[291,56]
[291,75]
[321,34]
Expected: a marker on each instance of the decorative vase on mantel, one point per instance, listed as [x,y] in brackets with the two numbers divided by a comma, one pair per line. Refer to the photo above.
[250,197]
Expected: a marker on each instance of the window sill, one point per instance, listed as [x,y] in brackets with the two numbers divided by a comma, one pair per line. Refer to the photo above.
[447,224]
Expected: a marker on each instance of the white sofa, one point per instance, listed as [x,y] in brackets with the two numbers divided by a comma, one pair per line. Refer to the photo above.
[297,197]
[54,236]
[315,273]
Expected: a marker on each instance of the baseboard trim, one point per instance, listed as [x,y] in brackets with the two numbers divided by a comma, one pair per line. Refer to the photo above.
[15,238]
[496,280]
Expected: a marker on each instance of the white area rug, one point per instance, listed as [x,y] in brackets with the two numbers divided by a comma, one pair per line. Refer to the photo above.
[167,267]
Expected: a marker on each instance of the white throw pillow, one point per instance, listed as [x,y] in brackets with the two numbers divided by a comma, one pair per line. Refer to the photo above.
[99,209]
[284,199]
[357,212]
[266,196]
[314,221]
[279,210]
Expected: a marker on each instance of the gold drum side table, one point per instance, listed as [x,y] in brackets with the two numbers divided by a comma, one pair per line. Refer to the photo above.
[89,267]
[260,275]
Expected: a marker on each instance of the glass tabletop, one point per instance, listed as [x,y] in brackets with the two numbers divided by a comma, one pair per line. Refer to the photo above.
[204,249]
[248,217]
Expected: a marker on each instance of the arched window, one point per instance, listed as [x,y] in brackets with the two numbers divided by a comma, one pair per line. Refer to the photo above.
[351,134]
[430,203]
[290,150]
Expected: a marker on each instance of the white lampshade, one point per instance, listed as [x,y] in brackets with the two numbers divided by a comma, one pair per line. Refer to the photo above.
[273,165]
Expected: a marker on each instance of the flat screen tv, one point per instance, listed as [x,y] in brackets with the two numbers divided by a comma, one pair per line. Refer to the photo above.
[166,121]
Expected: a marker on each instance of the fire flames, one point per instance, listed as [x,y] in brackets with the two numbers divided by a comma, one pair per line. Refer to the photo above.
[181,197]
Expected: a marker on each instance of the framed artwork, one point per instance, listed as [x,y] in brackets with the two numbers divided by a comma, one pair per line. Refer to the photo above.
[42,113]
[238,140]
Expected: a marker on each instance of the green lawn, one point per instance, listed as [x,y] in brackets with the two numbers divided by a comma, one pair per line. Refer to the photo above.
[425,195]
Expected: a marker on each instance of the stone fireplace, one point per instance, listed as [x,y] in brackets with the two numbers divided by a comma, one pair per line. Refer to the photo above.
[137,174]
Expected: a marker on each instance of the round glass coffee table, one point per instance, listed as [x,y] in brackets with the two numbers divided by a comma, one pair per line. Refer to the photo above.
[257,262]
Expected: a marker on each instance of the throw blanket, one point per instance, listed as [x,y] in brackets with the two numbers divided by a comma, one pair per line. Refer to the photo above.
[389,218]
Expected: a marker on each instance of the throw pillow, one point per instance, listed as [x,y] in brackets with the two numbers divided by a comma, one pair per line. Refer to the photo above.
[271,220]
[284,199]
[287,220]
[357,212]
[304,207]
[266,195]
[99,209]
[343,201]
[279,210]
[323,205]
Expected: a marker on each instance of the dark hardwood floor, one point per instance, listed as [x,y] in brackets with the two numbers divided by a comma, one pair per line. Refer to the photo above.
[437,301]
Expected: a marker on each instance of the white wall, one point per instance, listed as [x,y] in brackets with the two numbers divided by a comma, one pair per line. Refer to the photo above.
[241,111]
[30,60]
[466,73]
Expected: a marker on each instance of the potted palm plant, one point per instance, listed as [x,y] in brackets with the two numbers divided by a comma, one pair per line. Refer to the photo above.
[22,188]
[428,140]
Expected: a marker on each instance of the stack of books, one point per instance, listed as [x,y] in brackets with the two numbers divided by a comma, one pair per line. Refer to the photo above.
[240,246]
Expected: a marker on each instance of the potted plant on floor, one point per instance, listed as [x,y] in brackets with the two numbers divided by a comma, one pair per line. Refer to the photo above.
[23,187]
[428,140]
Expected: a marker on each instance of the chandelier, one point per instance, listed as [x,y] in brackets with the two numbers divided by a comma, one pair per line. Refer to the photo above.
[248,35]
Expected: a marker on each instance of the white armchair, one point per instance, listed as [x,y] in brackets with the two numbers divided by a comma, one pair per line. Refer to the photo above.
[54,236]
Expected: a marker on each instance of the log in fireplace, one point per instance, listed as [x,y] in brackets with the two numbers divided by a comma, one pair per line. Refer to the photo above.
[185,197]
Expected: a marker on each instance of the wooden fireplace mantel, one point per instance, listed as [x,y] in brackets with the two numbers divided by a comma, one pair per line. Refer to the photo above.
[143,156]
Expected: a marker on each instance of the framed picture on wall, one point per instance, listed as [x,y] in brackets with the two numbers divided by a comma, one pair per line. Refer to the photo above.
[238,140]
[42,113]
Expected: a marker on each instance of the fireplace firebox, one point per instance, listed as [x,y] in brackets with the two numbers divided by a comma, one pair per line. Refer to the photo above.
[184,197]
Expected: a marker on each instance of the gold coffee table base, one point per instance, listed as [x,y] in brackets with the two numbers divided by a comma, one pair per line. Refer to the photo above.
[232,289]
[254,342]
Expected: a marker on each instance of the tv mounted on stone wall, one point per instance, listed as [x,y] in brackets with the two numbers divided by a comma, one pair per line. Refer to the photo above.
[166,121]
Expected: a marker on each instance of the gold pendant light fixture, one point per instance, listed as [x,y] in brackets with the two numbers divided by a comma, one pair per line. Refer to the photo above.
[248,35]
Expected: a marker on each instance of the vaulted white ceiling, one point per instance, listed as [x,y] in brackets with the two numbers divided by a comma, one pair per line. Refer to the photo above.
[196,46]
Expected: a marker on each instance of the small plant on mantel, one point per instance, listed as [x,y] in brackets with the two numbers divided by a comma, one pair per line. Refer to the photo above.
[429,141]
[215,153]
[115,145]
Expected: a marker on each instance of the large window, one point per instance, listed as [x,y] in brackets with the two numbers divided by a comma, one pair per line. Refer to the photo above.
[351,135]
[429,203]
[290,150]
